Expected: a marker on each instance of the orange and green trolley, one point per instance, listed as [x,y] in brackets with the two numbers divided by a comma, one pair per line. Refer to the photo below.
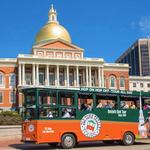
[70,116]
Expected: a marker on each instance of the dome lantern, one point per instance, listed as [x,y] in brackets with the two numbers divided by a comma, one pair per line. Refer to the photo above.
[52,15]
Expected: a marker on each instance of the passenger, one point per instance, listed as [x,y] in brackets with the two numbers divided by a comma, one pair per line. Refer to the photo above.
[28,114]
[66,114]
[108,105]
[146,106]
[147,121]
[89,107]
[49,114]
[126,106]
[132,106]
[100,105]
[113,105]
[73,113]
[83,107]
[122,104]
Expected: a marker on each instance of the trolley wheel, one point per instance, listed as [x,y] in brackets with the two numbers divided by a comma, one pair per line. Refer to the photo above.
[128,139]
[68,141]
[53,144]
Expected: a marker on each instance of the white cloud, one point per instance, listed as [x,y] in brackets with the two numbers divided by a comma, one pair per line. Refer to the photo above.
[144,25]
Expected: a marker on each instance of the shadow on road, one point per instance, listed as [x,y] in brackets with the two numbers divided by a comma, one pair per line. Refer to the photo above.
[81,145]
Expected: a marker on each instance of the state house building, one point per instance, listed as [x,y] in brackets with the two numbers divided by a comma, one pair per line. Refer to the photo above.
[55,62]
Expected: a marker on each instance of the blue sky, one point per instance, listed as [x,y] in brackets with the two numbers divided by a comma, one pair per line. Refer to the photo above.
[104,28]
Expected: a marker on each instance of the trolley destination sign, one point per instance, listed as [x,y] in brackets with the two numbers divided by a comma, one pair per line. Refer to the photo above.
[114,91]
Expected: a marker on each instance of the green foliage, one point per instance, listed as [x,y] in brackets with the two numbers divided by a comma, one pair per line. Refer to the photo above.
[10,118]
[9,113]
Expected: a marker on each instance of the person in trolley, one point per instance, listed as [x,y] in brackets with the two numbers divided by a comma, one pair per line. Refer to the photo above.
[147,121]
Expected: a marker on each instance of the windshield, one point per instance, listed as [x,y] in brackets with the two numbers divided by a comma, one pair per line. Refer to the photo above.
[29,106]
[30,99]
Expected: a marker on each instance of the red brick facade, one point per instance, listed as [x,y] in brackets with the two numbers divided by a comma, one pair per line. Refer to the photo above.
[6,89]
[117,75]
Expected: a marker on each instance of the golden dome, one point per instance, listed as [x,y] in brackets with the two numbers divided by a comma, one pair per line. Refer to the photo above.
[52,30]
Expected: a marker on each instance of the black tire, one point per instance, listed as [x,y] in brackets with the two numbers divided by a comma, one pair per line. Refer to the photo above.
[128,139]
[53,144]
[68,141]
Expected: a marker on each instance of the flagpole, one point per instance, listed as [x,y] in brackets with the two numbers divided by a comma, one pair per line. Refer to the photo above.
[141,128]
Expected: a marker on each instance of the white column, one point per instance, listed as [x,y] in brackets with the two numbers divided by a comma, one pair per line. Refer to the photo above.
[57,70]
[19,74]
[90,83]
[33,74]
[102,71]
[99,77]
[47,75]
[87,77]
[37,74]
[77,71]
[67,76]
[23,74]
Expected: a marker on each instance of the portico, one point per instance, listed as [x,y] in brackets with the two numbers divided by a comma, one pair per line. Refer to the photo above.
[60,74]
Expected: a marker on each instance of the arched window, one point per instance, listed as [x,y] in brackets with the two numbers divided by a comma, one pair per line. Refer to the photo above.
[122,82]
[1,79]
[112,80]
[12,80]
[53,18]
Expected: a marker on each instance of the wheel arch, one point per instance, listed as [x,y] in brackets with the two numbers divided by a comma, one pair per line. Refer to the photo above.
[128,132]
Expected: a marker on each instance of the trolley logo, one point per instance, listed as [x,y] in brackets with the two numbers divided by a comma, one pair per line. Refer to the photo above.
[90,125]
[31,128]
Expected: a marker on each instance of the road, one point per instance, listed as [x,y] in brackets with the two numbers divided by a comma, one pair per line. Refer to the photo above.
[10,139]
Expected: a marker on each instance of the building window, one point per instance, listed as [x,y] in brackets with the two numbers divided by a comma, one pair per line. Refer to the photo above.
[1,97]
[12,80]
[61,79]
[141,85]
[51,79]
[134,84]
[112,82]
[28,77]
[71,79]
[1,79]
[41,78]
[148,85]
[122,82]
[12,97]
[80,80]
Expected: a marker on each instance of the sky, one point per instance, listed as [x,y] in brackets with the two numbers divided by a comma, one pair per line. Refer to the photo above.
[103,28]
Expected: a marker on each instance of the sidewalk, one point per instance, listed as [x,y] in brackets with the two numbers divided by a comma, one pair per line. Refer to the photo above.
[10,126]
[9,135]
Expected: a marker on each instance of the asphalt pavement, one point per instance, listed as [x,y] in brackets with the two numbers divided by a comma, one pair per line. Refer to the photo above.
[10,139]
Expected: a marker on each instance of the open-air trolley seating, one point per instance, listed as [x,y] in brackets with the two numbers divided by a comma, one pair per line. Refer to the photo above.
[67,117]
